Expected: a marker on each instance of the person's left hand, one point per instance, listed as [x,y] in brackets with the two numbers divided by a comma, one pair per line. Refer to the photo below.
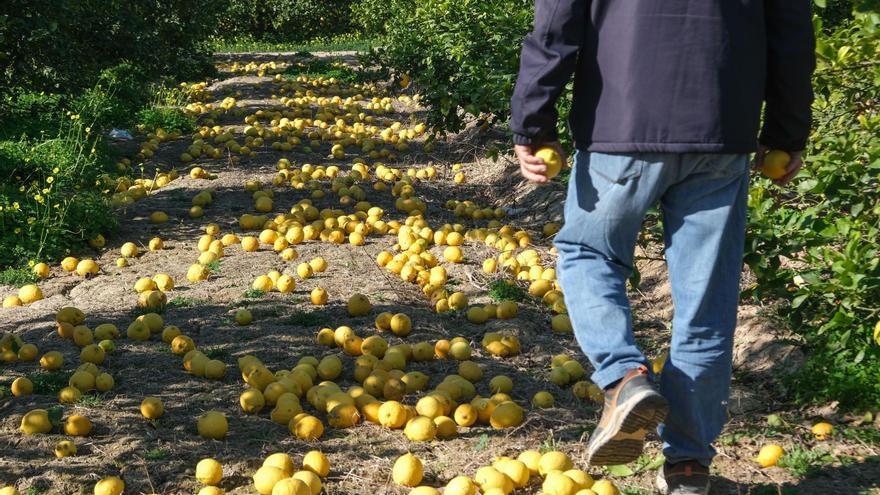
[795,164]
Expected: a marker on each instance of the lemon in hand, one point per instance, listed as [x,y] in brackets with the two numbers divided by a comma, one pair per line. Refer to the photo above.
[552,160]
[776,164]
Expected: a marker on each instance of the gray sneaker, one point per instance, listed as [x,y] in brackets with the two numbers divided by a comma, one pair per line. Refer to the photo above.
[632,409]
[683,478]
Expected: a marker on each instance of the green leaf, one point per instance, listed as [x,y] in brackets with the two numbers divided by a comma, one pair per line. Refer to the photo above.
[621,470]
[859,357]
[819,3]
[655,464]
[797,301]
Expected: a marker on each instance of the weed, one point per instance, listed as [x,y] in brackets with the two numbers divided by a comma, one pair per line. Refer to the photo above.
[800,461]
[155,455]
[215,266]
[503,290]
[91,400]
[5,392]
[49,383]
[254,293]
[17,277]
[549,444]
[482,443]
[32,491]
[214,353]
[167,118]
[139,311]
[732,438]
[307,319]
[634,490]
[869,435]
[185,302]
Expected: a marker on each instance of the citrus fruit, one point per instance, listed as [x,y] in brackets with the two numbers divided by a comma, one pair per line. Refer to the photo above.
[209,472]
[407,470]
[776,164]
[551,159]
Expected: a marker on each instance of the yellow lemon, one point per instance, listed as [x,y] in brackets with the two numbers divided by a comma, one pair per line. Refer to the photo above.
[554,460]
[769,455]
[36,421]
[551,159]
[776,164]
[77,426]
[420,429]
[266,477]
[407,470]
[110,485]
[213,425]
[22,386]
[316,462]
[209,472]
[65,448]
[152,408]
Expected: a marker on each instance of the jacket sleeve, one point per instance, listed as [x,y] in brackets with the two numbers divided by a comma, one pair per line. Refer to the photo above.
[547,61]
[791,59]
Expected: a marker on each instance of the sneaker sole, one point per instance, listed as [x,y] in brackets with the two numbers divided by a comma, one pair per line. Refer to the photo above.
[663,487]
[624,440]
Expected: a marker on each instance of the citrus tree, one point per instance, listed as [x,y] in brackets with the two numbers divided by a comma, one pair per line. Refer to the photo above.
[816,246]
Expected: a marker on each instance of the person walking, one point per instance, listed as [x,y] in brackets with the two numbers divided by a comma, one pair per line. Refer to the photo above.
[667,107]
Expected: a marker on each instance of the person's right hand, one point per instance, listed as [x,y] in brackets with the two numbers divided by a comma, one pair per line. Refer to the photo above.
[530,166]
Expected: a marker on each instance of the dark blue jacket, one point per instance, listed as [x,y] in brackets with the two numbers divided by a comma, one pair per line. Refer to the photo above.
[672,76]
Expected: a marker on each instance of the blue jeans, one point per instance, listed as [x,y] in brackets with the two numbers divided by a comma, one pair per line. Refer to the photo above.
[703,199]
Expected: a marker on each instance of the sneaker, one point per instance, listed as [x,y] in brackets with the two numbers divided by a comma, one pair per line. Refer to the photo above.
[683,478]
[632,409]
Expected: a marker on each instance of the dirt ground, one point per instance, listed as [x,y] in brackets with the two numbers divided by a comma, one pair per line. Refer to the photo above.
[160,456]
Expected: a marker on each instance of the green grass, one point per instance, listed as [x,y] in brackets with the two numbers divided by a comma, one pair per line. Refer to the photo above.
[329,68]
[502,290]
[155,455]
[17,277]
[307,319]
[215,266]
[634,490]
[186,302]
[249,45]
[91,400]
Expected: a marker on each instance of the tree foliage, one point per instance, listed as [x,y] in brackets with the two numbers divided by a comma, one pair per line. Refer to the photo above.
[59,45]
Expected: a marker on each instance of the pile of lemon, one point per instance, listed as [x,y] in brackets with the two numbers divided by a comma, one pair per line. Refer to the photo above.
[553,468]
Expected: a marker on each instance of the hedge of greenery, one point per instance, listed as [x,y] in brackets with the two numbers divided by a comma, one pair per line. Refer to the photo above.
[60,46]
[69,71]
[292,21]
